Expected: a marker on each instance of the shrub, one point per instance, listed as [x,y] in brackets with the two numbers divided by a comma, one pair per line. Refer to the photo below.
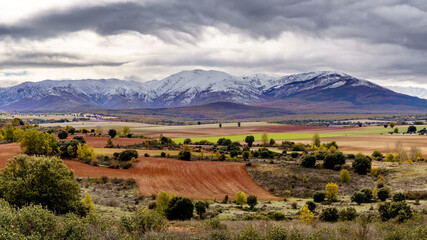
[248,233]
[185,153]
[71,130]
[179,208]
[362,164]
[187,141]
[358,197]
[398,197]
[142,221]
[276,232]
[347,214]
[241,198]
[62,135]
[331,191]
[332,159]
[377,154]
[112,133]
[200,208]
[294,155]
[390,158]
[276,215]
[224,141]
[249,140]
[311,205]
[345,176]
[329,215]
[308,161]
[162,154]
[35,142]
[401,210]
[306,214]
[109,143]
[162,201]
[127,155]
[252,201]
[319,197]
[85,152]
[246,155]
[37,180]
[383,193]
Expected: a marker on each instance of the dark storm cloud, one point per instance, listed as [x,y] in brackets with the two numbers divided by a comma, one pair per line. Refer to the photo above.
[399,22]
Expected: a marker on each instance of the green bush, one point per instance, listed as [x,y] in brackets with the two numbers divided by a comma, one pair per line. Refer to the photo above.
[142,221]
[252,201]
[200,208]
[329,215]
[377,154]
[187,141]
[347,214]
[358,197]
[368,194]
[333,159]
[179,208]
[62,135]
[362,164]
[276,232]
[319,196]
[311,205]
[400,210]
[398,197]
[276,215]
[383,193]
[248,233]
[38,180]
[127,155]
[294,155]
[308,161]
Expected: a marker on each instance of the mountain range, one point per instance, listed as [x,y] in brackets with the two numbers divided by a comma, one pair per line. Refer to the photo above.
[323,91]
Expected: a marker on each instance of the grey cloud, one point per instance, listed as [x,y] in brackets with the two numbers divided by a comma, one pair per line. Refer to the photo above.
[382,21]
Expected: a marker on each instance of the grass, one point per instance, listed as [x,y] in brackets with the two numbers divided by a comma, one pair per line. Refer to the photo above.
[295,136]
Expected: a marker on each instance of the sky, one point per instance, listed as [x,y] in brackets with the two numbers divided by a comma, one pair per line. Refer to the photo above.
[384,41]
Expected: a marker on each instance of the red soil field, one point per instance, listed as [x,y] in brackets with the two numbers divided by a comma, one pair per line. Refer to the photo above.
[197,180]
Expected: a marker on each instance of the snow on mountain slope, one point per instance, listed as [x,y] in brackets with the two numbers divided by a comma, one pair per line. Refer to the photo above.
[181,89]
[411,91]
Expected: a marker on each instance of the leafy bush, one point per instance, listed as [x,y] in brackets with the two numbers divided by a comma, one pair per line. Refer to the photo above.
[383,193]
[35,142]
[187,141]
[276,232]
[362,164]
[37,180]
[329,215]
[200,208]
[347,214]
[224,141]
[127,155]
[112,133]
[398,197]
[331,191]
[345,176]
[358,197]
[249,140]
[276,215]
[319,196]
[62,135]
[311,205]
[400,210]
[377,154]
[179,208]
[333,159]
[241,198]
[294,155]
[252,201]
[308,161]
[71,130]
[142,221]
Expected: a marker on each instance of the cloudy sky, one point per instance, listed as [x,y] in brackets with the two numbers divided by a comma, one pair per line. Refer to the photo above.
[380,40]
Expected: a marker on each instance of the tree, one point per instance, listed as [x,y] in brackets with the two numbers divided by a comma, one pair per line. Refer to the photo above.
[345,176]
[362,164]
[179,208]
[396,130]
[246,155]
[62,135]
[127,155]
[220,125]
[39,180]
[272,142]
[392,124]
[412,129]
[241,198]
[200,208]
[88,201]
[249,140]
[126,130]
[86,153]
[333,159]
[398,197]
[383,193]
[12,133]
[187,141]
[162,201]
[306,215]
[17,122]
[252,201]
[358,197]
[238,124]
[185,153]
[112,133]
[319,197]
[329,215]
[264,139]
[331,191]
[109,143]
[71,130]
[385,125]
[316,140]
[308,161]
[35,142]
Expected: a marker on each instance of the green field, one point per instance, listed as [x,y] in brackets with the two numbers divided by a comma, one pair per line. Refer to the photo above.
[293,136]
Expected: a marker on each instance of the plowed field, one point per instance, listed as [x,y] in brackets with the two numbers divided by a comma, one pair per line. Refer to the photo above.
[198,180]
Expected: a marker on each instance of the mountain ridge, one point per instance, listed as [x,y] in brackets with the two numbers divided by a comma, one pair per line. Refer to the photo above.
[198,87]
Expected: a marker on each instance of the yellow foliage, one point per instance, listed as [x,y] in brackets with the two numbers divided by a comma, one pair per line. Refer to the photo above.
[332,191]
[88,200]
[241,198]
[306,215]
[345,175]
[126,130]
[374,193]
[85,152]
[374,171]
[162,201]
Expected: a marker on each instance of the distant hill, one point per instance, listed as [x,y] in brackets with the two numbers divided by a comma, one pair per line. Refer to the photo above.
[307,92]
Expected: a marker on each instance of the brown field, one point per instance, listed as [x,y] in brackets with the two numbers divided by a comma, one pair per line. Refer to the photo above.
[198,180]
[369,143]
[100,142]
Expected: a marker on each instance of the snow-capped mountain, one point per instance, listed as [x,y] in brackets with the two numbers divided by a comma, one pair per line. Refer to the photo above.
[411,91]
[195,87]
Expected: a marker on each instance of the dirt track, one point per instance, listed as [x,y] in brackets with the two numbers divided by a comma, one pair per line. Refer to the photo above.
[198,180]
